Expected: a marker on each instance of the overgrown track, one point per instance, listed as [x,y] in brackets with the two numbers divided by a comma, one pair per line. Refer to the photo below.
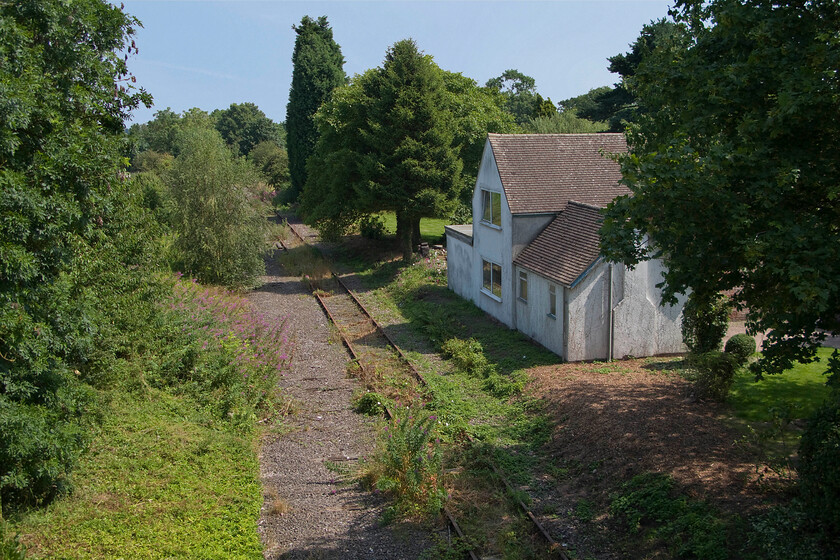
[375,353]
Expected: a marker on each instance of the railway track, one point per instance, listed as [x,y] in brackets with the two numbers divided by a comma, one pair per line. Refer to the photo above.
[376,354]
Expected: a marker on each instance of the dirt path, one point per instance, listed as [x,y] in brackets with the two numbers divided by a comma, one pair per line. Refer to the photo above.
[308,512]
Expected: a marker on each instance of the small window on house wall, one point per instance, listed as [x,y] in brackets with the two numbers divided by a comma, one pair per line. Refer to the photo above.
[492,278]
[552,301]
[523,286]
[492,208]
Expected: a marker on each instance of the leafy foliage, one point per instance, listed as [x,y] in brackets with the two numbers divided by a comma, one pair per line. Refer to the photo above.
[704,323]
[371,404]
[389,140]
[318,70]
[407,464]
[243,126]
[819,470]
[10,546]
[220,227]
[468,356]
[518,93]
[715,374]
[273,162]
[372,226]
[65,93]
[741,346]
[566,122]
[620,105]
[691,529]
[735,175]
[405,137]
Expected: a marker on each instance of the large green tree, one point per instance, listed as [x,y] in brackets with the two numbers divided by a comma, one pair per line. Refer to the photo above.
[518,93]
[318,70]
[65,92]
[244,125]
[405,137]
[620,105]
[735,178]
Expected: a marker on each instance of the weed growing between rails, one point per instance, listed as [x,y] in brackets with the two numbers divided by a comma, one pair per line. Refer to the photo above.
[233,356]
[407,465]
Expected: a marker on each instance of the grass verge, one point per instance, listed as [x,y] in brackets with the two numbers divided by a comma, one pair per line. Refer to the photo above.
[162,479]
[172,469]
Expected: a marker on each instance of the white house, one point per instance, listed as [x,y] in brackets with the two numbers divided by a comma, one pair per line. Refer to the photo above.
[530,257]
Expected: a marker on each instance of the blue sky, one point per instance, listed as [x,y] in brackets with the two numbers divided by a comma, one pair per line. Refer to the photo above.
[211,54]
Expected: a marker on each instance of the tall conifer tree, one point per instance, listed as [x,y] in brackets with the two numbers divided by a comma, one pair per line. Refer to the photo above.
[318,69]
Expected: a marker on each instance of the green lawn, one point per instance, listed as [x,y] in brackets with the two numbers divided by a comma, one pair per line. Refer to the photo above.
[803,388]
[431,229]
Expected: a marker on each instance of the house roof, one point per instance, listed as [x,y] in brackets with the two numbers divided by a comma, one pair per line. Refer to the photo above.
[541,173]
[567,247]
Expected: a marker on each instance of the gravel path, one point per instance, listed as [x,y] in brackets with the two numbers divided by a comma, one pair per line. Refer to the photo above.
[308,511]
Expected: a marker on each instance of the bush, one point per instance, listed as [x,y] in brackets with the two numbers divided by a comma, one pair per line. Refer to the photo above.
[741,347]
[10,546]
[372,227]
[407,465]
[371,404]
[715,374]
[689,527]
[705,321]
[468,356]
[218,216]
[819,470]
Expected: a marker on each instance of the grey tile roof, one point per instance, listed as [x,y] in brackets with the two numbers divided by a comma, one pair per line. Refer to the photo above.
[541,173]
[567,247]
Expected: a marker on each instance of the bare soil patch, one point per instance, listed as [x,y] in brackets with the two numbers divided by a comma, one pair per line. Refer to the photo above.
[612,421]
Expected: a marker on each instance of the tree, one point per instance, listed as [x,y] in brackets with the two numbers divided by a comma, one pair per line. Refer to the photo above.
[519,93]
[735,179]
[318,70]
[584,102]
[66,92]
[220,228]
[620,105]
[476,113]
[243,126]
[566,122]
[272,161]
[543,107]
[390,140]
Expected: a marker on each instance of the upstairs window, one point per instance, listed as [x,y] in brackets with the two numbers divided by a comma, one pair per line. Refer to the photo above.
[523,286]
[492,278]
[492,204]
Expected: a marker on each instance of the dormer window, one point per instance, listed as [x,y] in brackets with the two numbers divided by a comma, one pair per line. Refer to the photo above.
[492,202]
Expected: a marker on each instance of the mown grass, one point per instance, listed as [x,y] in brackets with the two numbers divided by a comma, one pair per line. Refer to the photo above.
[431,229]
[163,479]
[800,390]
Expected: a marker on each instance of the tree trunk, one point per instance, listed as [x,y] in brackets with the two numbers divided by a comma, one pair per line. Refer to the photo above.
[404,235]
[415,232]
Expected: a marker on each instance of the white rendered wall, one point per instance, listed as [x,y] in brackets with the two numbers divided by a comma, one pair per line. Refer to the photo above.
[588,308]
[642,327]
[492,243]
[459,267]
[532,316]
